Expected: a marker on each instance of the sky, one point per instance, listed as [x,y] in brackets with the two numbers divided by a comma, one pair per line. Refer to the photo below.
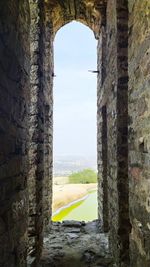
[75,91]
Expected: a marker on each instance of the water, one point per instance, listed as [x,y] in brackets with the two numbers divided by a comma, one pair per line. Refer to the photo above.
[83,210]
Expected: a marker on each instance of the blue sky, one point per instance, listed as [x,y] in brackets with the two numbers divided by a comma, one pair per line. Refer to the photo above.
[75,91]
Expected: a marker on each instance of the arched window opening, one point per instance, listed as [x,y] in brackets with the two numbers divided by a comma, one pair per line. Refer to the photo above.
[75,139]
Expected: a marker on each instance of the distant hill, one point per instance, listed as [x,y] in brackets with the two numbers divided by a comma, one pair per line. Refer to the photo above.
[66,164]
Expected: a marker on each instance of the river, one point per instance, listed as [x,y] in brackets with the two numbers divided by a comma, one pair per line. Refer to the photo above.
[82,210]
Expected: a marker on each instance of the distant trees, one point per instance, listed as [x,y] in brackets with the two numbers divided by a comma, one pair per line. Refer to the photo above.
[86,176]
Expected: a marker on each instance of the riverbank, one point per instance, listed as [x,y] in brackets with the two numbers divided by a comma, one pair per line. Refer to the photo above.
[67,193]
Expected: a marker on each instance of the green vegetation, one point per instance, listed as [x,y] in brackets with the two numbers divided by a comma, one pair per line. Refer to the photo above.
[80,210]
[86,176]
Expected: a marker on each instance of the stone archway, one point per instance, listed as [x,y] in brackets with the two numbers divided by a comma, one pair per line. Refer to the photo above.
[46,19]
[89,12]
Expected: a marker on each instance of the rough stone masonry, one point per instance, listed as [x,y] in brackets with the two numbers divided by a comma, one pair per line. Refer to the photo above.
[27,32]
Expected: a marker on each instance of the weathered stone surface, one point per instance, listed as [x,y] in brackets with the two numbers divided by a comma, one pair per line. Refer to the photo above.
[72,223]
[88,247]
[14,108]
[126,101]
[90,13]
[40,152]
[139,131]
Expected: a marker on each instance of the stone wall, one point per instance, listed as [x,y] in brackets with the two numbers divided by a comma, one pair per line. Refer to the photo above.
[113,98]
[48,139]
[40,152]
[14,108]
[122,132]
[127,43]
[139,131]
[107,91]
[102,133]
